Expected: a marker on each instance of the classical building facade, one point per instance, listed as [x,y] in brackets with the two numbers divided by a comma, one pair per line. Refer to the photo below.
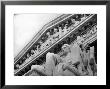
[62,30]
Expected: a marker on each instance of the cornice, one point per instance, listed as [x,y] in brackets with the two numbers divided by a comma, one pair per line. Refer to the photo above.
[40,33]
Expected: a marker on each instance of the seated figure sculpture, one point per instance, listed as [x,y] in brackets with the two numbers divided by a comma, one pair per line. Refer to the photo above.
[65,65]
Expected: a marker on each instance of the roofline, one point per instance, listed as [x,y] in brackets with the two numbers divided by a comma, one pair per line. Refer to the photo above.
[38,35]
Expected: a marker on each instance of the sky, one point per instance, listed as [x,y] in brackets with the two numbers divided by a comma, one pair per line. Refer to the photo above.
[26,27]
